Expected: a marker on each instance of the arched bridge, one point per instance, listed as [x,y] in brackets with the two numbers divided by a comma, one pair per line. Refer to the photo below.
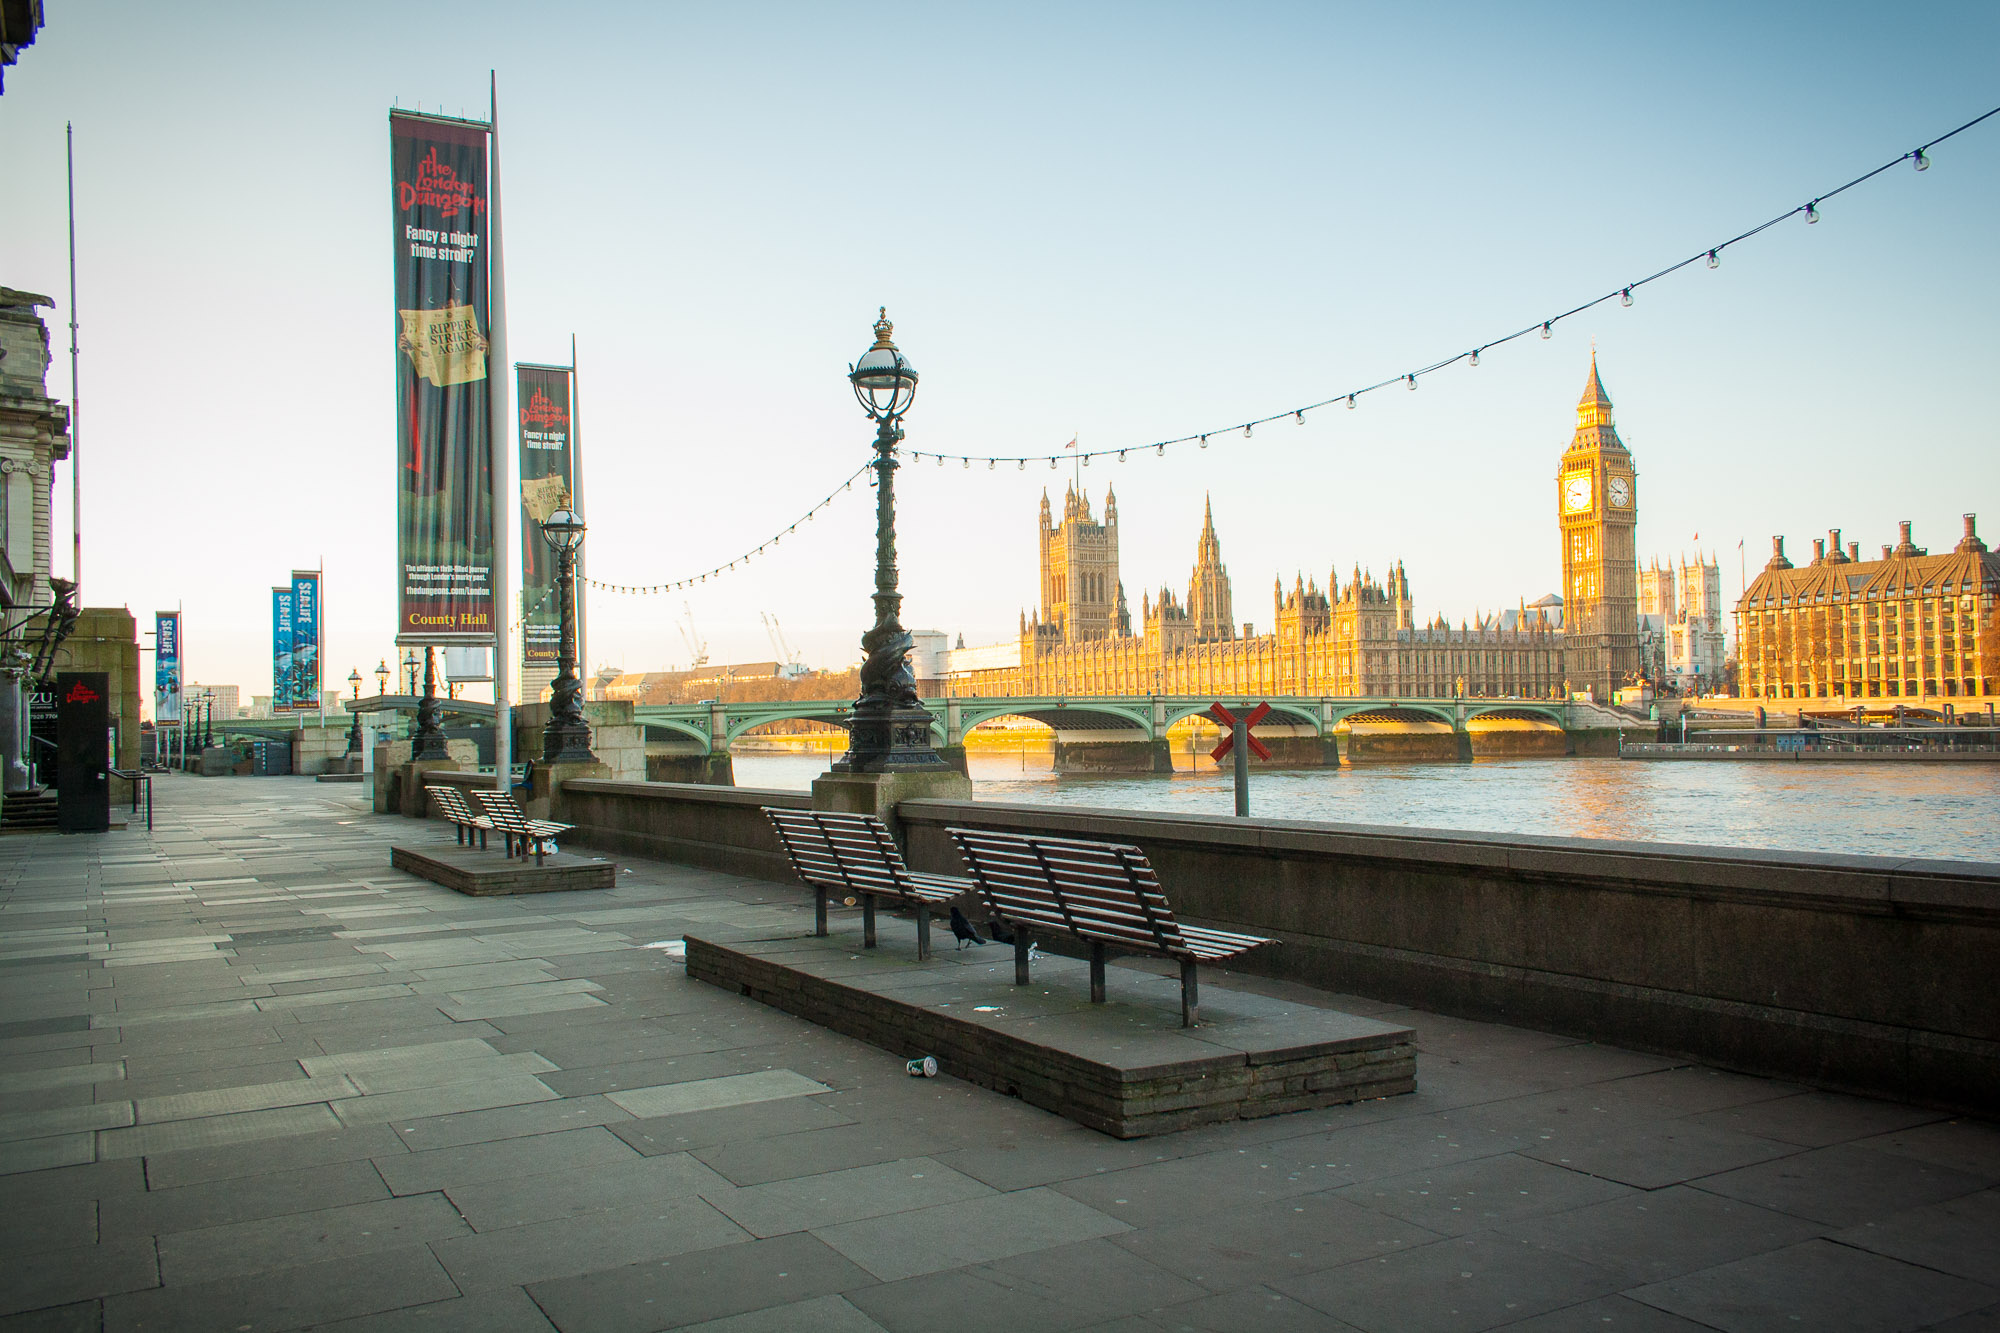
[710,728]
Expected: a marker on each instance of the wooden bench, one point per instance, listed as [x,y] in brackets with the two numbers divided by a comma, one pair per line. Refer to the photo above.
[514,824]
[1102,893]
[452,805]
[854,854]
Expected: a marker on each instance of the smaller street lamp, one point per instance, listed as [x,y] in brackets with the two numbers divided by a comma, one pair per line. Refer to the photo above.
[566,738]
[428,739]
[382,676]
[354,697]
[207,719]
[410,670]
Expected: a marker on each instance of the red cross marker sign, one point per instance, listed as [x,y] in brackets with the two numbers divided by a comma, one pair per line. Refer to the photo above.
[1228,721]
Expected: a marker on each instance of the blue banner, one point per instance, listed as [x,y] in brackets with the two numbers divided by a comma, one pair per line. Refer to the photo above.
[305,640]
[281,649]
[166,667]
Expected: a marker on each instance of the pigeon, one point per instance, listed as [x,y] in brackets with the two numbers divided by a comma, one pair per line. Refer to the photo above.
[963,929]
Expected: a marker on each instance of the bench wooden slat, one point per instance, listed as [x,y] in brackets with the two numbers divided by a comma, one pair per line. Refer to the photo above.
[852,853]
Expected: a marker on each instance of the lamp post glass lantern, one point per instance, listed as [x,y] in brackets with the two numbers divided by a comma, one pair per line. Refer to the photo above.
[382,674]
[566,737]
[890,729]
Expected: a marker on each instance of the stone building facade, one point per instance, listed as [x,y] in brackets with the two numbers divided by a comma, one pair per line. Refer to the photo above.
[1685,598]
[1356,636]
[1910,626]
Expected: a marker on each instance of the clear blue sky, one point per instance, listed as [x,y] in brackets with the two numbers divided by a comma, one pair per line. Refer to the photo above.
[1121,222]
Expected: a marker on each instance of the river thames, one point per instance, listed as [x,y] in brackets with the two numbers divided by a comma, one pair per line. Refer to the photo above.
[1882,809]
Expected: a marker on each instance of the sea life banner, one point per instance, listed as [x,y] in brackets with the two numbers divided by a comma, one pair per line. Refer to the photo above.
[281,649]
[305,640]
[444,491]
[166,667]
[547,483]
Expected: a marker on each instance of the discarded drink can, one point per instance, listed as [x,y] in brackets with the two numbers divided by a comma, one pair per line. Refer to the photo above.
[923,1067]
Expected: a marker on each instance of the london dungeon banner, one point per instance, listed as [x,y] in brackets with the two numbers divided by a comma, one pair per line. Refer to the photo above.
[281,649]
[166,667]
[444,491]
[305,640]
[547,481]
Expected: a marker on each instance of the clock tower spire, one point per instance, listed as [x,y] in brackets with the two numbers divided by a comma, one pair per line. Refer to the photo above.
[1597,509]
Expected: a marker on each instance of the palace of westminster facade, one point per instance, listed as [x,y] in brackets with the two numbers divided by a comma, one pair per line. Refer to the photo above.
[1355,637]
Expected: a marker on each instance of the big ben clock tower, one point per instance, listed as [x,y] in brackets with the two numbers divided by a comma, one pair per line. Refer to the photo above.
[1597,507]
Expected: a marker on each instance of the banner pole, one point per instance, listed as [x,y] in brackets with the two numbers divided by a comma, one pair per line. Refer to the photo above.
[496,395]
[576,502]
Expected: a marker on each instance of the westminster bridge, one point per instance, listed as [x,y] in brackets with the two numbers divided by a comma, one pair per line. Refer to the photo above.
[1128,733]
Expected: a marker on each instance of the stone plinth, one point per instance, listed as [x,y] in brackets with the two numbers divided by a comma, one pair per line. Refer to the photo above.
[491,872]
[544,796]
[1114,756]
[1125,1067]
[712,770]
[410,798]
[879,794]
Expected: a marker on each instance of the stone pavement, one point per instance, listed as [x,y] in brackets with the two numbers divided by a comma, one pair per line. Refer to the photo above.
[253,1079]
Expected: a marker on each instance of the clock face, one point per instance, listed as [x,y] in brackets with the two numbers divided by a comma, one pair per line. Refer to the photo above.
[1576,493]
[1620,491]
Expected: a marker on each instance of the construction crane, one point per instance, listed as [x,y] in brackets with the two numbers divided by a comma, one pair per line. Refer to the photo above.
[789,665]
[696,645]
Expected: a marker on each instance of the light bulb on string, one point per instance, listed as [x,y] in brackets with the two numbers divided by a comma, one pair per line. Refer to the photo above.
[1086,460]
[1473,359]
[1350,402]
[992,463]
[1204,441]
[1159,451]
[1714,260]
[1052,465]
[1919,161]
[1246,430]
[1812,211]
[1299,417]
[1625,296]
[1021,466]
[1545,328]
[1411,380]
[1121,455]
[968,463]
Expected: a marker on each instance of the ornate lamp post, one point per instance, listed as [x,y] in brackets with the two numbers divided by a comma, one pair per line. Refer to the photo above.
[566,738]
[428,741]
[409,671]
[889,729]
[382,677]
[207,719]
[354,697]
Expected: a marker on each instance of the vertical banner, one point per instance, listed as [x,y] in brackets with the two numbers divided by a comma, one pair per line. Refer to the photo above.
[166,667]
[444,489]
[281,650]
[305,640]
[547,477]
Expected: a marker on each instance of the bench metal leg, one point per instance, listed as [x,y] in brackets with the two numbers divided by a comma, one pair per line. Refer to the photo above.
[1020,955]
[819,912]
[867,920]
[923,932]
[1096,972]
[1190,994]
[541,845]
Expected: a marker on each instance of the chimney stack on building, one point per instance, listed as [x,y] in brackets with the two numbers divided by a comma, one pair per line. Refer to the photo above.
[1819,550]
[1854,552]
[1970,542]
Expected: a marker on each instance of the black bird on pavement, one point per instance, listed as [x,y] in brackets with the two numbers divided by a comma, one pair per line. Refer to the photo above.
[963,929]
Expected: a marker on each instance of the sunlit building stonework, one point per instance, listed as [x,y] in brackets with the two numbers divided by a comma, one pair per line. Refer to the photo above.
[1357,635]
[1686,601]
[1910,626]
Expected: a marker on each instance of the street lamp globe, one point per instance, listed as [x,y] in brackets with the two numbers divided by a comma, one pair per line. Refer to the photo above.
[885,384]
[354,683]
[563,530]
[382,676]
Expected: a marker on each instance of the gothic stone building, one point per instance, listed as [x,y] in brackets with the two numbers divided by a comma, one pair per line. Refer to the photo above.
[1910,626]
[1358,635]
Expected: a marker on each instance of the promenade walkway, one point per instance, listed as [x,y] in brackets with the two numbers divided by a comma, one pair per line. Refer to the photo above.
[252,1079]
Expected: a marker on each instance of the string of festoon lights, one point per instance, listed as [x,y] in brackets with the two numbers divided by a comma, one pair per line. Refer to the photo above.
[1710,255]
[1623,294]
[677,585]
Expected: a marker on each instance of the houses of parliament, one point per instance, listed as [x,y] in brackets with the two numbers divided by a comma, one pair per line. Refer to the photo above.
[1355,636]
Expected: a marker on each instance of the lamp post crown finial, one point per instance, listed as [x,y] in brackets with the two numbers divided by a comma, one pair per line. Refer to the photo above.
[883,328]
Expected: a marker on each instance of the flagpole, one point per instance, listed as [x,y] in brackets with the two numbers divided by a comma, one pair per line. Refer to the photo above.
[496,395]
[75,454]
[576,503]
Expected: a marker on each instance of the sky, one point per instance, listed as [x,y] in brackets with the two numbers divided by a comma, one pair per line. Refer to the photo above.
[1114,222]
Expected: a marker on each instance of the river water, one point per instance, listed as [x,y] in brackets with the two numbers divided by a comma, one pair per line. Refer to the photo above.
[1882,809]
